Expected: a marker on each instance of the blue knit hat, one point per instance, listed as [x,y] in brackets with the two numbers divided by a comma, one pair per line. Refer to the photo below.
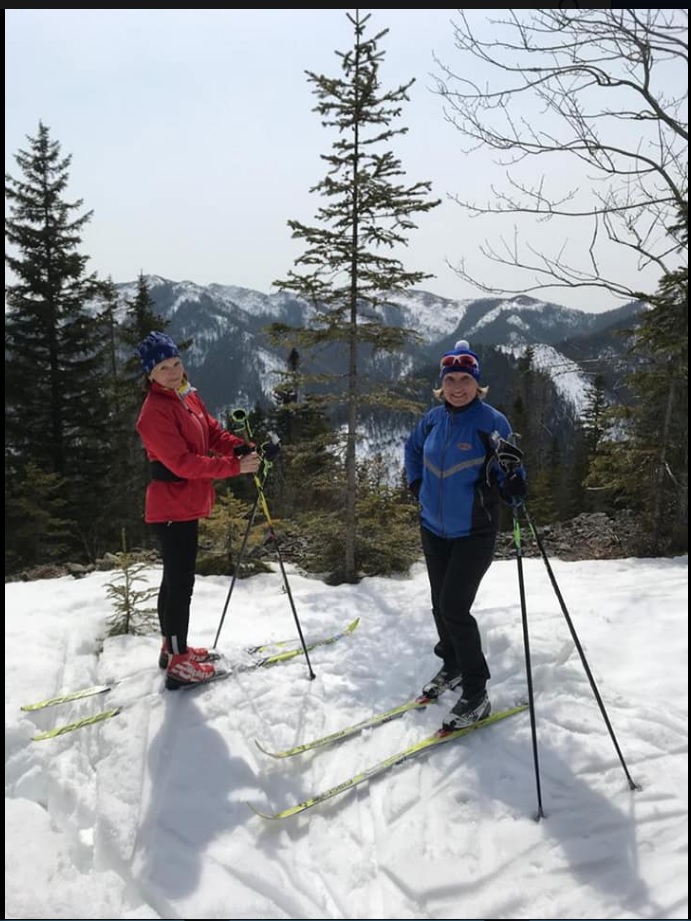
[156,347]
[461,360]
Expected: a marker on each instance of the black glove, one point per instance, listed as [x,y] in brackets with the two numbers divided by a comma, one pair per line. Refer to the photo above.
[414,487]
[513,489]
[242,450]
[509,457]
[271,448]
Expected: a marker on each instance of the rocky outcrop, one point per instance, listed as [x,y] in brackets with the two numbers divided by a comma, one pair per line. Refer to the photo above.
[590,536]
[594,536]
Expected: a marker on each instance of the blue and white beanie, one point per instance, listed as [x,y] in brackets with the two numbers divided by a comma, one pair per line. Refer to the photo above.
[461,360]
[156,347]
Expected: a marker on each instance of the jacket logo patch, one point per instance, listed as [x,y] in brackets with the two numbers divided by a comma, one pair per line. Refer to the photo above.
[464,446]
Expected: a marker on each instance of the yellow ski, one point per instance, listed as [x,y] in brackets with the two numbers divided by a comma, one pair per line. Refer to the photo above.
[438,738]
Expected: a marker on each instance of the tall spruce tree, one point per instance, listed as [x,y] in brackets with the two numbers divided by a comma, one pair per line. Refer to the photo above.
[126,322]
[348,269]
[56,409]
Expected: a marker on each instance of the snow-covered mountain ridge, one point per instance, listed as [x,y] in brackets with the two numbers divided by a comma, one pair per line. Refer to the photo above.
[233,362]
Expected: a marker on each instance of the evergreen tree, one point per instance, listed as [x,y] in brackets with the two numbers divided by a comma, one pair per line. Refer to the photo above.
[587,438]
[528,413]
[643,461]
[128,474]
[309,451]
[221,538]
[36,527]
[56,409]
[128,616]
[140,318]
[349,268]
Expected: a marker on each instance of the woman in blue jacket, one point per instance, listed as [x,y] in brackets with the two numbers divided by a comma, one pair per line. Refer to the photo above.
[455,466]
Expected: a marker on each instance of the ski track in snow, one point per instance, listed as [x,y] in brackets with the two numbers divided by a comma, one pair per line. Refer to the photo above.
[157,798]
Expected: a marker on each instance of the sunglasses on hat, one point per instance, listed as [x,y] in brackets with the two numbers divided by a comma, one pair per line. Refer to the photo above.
[459,361]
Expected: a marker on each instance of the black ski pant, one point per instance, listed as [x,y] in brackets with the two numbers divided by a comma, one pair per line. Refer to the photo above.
[455,568]
[178,541]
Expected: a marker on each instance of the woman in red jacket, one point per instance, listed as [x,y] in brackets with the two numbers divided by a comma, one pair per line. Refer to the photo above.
[188,449]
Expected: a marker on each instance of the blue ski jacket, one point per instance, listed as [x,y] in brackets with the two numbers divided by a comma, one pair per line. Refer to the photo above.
[450,465]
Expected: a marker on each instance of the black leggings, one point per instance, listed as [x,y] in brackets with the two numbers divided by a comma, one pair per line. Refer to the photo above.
[455,568]
[178,541]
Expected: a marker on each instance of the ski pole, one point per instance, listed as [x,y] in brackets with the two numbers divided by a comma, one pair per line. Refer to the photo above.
[241,555]
[581,653]
[241,417]
[266,466]
[236,571]
[526,646]
[509,459]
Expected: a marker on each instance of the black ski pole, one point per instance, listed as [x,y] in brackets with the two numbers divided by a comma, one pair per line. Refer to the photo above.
[528,667]
[509,459]
[581,653]
[241,416]
[241,555]
[236,571]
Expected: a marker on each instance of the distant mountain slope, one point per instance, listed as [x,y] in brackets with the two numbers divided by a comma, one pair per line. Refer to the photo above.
[234,364]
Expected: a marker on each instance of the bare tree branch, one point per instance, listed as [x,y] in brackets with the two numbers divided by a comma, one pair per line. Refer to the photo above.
[602,90]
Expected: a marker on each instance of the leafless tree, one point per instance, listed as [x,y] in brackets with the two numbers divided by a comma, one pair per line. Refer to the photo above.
[599,98]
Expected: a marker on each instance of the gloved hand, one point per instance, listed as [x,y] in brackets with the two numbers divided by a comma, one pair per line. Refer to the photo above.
[509,457]
[271,448]
[414,487]
[513,488]
[243,450]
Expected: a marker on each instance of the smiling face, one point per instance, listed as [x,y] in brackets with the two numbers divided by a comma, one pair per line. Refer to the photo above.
[459,389]
[168,373]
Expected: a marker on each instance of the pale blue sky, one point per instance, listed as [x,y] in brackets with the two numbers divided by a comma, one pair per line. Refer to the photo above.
[194,141]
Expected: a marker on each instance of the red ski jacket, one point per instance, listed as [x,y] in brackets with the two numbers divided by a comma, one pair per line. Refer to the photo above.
[179,433]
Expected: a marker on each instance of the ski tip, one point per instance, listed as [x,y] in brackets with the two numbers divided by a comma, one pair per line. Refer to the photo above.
[353,624]
[266,750]
[69,696]
[78,724]
[263,815]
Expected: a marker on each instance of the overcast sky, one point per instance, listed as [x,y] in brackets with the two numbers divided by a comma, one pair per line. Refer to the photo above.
[193,137]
